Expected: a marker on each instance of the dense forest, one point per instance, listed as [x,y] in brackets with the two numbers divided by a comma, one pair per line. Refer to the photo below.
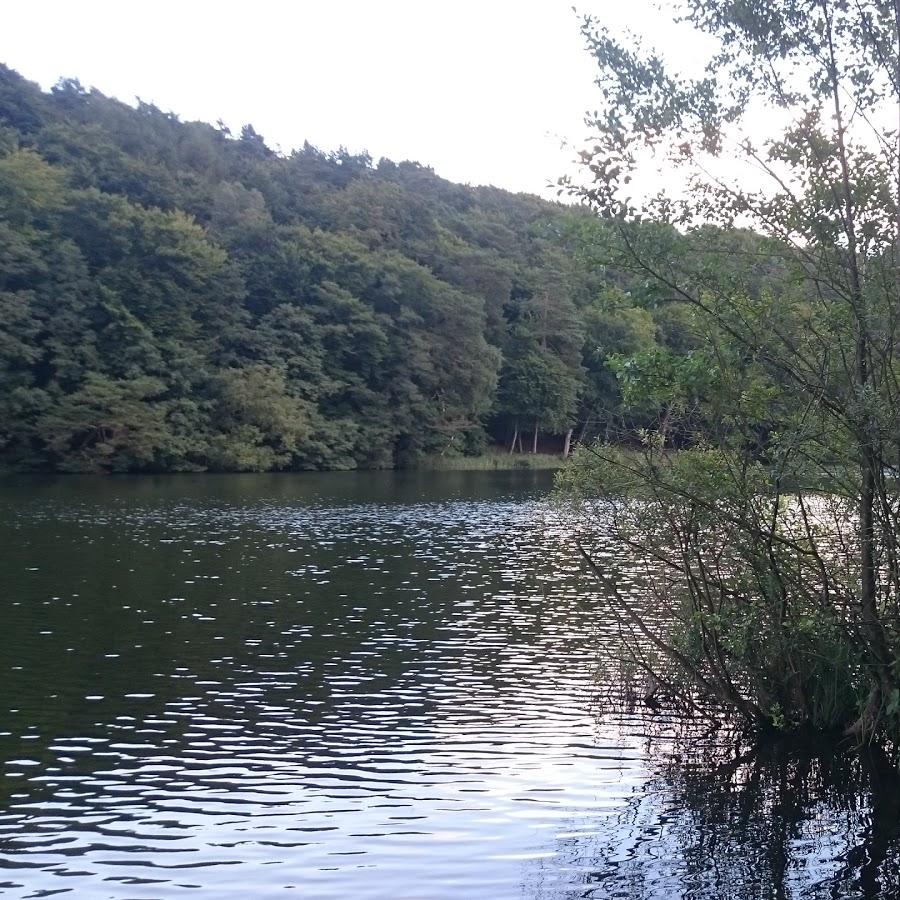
[174,297]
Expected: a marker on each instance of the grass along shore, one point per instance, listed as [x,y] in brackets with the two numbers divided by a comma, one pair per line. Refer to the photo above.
[495,461]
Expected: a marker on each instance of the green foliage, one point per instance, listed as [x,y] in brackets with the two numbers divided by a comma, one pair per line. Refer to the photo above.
[742,613]
[775,368]
[260,426]
[379,314]
[105,425]
[175,298]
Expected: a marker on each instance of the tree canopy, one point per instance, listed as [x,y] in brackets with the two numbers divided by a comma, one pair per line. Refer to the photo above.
[176,297]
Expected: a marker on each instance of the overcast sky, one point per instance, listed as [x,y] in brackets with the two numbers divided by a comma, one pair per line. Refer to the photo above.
[484,91]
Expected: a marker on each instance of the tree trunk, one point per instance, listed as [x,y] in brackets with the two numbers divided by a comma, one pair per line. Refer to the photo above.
[664,426]
[870,459]
[584,428]
[534,445]
[512,446]
[567,446]
[897,81]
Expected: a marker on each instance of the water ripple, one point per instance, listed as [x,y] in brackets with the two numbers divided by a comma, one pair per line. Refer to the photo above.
[236,687]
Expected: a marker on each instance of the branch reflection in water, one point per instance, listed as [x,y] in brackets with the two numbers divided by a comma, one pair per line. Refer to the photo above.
[718,818]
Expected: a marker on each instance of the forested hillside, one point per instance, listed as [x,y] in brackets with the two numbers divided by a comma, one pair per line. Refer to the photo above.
[174,297]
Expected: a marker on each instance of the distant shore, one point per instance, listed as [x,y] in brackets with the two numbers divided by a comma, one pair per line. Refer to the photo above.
[491,461]
[498,461]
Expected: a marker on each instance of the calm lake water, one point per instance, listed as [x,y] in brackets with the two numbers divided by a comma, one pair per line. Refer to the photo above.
[368,686]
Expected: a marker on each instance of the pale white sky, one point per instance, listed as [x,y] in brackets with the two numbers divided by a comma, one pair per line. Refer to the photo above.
[484,91]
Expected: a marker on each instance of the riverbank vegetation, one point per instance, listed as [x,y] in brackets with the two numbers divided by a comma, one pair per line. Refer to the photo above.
[174,297]
[492,462]
[780,604]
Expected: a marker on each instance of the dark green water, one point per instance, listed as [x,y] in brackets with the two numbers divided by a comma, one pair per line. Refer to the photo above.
[367,686]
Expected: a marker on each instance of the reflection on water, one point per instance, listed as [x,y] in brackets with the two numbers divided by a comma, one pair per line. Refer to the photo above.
[716,821]
[378,685]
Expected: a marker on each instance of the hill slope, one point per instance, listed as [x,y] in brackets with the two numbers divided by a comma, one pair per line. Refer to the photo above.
[175,297]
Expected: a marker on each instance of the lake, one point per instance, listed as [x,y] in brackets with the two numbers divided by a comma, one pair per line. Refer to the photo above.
[370,685]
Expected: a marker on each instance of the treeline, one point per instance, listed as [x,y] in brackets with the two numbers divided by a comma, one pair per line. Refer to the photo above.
[174,297]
